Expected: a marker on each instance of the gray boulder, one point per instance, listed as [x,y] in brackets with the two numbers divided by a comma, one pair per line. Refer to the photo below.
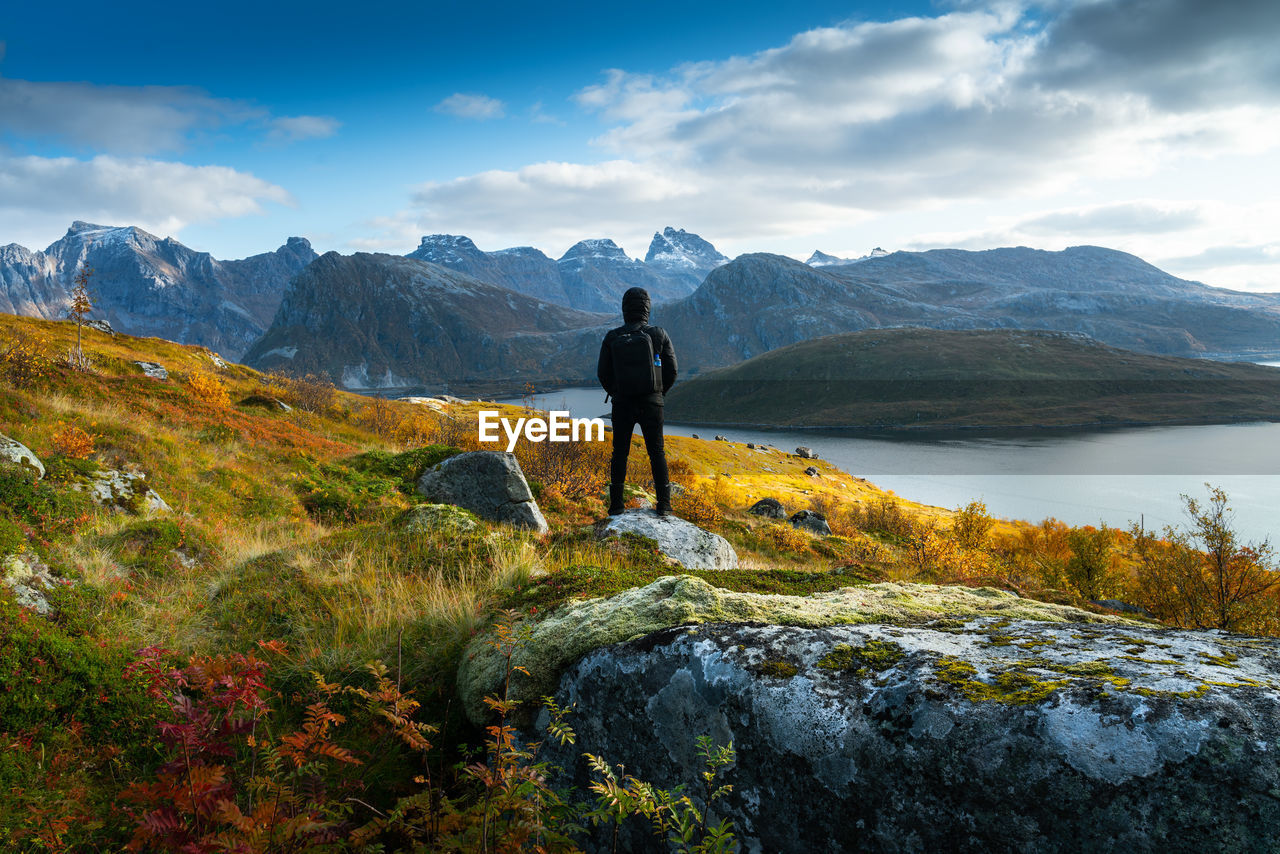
[28,579]
[684,542]
[968,735]
[124,491]
[489,484]
[13,451]
[770,508]
[812,472]
[153,370]
[101,326]
[807,520]
[806,453]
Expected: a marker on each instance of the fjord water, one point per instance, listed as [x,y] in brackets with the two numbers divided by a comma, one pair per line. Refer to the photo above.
[1114,476]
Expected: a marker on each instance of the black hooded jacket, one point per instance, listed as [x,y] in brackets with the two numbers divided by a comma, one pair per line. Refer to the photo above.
[635,311]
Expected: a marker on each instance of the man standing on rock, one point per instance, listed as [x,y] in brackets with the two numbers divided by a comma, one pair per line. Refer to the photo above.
[637,367]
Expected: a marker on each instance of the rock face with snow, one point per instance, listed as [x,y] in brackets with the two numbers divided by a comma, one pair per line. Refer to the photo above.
[683,255]
[915,718]
[488,483]
[592,275]
[146,285]
[822,259]
[683,542]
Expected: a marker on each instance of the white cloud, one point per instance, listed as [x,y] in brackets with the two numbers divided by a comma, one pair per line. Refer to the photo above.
[40,196]
[286,129]
[990,106]
[466,106]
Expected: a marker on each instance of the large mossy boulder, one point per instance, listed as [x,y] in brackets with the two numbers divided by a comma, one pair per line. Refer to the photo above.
[683,542]
[489,484]
[977,732]
[558,639]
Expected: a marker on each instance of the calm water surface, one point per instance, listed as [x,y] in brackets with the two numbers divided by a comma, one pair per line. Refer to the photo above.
[1114,476]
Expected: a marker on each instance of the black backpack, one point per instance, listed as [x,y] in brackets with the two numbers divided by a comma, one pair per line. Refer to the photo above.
[634,368]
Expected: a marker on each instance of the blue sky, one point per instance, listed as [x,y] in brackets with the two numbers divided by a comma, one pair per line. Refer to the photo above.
[1151,126]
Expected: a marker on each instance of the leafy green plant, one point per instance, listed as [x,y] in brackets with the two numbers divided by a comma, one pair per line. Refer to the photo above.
[674,816]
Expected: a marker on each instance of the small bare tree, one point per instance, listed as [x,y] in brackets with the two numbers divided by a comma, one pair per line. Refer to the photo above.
[81,306]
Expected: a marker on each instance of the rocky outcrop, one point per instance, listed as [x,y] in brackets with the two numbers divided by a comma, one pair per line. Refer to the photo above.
[489,484]
[153,370]
[558,639]
[29,579]
[125,491]
[13,451]
[683,542]
[770,508]
[969,734]
[808,520]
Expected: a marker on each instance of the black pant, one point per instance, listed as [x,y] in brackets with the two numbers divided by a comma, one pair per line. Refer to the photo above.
[627,413]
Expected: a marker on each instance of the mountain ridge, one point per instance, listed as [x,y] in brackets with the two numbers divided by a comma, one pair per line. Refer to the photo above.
[147,285]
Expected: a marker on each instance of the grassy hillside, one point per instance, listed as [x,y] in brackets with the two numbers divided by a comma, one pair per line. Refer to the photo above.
[902,379]
[284,639]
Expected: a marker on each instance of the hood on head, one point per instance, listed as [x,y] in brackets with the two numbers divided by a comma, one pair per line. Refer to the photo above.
[635,305]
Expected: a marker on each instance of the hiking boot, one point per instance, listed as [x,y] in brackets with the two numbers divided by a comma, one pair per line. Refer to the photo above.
[663,493]
[615,500]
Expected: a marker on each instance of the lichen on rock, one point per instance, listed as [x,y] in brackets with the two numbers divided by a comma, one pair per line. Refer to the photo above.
[575,628]
[944,741]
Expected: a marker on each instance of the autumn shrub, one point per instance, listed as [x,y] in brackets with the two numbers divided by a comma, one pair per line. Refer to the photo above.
[1202,576]
[311,392]
[208,390]
[680,472]
[1092,570]
[783,537]
[379,416]
[416,430]
[72,442]
[696,504]
[25,359]
[971,525]
[1035,557]
[574,469]
[233,780]
[885,516]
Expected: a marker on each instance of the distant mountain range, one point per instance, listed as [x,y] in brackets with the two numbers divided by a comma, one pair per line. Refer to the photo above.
[449,312]
[145,285]
[747,307]
[591,276]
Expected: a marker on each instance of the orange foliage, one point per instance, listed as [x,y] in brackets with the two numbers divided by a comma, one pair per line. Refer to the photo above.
[209,390]
[70,441]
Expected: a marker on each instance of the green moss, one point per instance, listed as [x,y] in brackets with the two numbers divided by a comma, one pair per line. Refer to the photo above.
[404,468]
[873,656]
[1015,686]
[562,636]
[1227,659]
[1194,694]
[776,669]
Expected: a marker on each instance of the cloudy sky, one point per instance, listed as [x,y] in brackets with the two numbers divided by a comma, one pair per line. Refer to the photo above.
[1151,126]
